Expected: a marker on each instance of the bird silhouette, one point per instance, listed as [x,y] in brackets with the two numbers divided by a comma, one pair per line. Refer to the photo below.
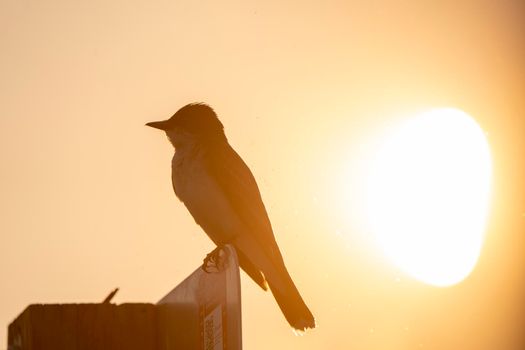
[220,192]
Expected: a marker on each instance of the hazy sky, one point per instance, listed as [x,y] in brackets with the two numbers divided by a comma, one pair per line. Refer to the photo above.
[302,87]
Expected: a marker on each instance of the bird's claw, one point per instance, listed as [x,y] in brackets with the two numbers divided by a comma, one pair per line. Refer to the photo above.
[214,261]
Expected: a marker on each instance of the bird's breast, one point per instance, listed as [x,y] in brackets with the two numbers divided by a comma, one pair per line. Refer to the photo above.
[200,193]
[186,173]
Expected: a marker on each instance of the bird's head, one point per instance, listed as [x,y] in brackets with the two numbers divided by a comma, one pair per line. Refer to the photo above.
[193,123]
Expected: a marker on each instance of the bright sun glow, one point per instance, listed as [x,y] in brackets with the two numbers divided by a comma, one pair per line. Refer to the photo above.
[428,193]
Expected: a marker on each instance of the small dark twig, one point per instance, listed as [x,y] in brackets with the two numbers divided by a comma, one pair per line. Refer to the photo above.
[110,296]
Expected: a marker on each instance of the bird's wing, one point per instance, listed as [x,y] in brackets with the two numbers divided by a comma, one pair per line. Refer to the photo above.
[236,181]
[238,184]
[254,239]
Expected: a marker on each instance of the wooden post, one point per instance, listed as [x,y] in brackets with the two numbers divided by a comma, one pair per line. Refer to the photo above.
[203,312]
[84,327]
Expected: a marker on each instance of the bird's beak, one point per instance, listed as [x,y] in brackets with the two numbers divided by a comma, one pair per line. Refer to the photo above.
[162,125]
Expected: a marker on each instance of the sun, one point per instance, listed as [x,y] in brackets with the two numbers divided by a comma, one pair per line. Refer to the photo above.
[428,195]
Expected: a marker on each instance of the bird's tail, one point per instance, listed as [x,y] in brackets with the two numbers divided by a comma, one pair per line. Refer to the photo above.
[292,305]
[270,262]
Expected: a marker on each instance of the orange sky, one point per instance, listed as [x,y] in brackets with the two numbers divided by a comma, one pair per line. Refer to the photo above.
[86,201]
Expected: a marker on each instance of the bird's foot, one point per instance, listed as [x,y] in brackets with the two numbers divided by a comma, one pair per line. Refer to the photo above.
[214,261]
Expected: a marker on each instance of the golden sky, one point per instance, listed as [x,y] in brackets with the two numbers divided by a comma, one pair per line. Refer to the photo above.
[302,87]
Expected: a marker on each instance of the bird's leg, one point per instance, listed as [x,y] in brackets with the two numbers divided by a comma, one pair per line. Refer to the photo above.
[214,261]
